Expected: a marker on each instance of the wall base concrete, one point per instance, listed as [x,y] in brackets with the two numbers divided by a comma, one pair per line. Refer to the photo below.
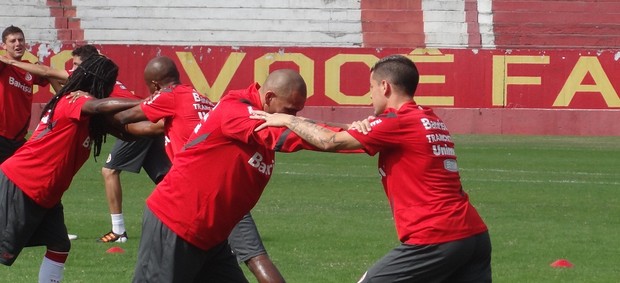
[513,121]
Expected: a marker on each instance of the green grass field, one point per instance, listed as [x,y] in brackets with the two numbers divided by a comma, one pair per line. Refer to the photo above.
[324,217]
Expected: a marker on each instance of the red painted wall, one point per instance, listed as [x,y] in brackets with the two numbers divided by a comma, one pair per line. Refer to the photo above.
[574,81]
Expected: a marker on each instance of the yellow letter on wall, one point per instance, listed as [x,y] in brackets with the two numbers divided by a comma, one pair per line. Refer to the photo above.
[333,78]
[195,74]
[602,85]
[432,55]
[306,67]
[501,80]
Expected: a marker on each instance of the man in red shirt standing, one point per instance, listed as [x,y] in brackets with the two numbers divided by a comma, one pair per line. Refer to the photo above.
[15,94]
[34,179]
[443,237]
[214,181]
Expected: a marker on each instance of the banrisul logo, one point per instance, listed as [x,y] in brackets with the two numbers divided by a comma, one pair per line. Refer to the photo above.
[257,161]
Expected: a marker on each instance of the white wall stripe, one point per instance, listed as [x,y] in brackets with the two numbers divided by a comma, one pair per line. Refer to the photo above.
[485,23]
[444,23]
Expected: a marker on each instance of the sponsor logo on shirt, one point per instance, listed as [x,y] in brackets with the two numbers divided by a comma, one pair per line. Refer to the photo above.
[450,165]
[256,161]
[375,122]
[440,150]
[435,139]
[202,104]
[86,143]
[21,86]
[433,124]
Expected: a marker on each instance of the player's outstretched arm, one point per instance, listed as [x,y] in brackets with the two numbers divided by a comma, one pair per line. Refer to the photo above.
[37,69]
[322,138]
[107,105]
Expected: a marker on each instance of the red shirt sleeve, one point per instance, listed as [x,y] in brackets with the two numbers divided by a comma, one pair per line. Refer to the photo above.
[383,135]
[74,110]
[159,105]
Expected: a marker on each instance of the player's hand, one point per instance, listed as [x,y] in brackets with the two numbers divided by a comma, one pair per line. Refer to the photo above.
[271,120]
[362,126]
[74,95]
[5,59]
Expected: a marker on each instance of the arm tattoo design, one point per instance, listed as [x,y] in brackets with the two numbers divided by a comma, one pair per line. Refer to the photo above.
[314,134]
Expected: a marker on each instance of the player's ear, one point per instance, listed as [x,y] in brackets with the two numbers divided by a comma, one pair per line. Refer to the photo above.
[386,88]
[156,85]
[269,96]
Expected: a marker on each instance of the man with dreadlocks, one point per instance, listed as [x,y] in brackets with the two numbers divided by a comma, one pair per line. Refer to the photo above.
[34,179]
[145,152]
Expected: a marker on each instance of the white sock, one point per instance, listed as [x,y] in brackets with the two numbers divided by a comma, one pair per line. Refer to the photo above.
[51,271]
[118,223]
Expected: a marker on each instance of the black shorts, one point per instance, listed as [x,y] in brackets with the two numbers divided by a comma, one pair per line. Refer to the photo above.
[245,240]
[147,153]
[165,257]
[28,224]
[8,147]
[466,260]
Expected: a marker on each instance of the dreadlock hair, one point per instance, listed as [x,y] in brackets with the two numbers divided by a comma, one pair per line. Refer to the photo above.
[97,76]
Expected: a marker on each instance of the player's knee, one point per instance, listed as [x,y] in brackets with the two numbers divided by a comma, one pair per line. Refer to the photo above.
[107,172]
[60,246]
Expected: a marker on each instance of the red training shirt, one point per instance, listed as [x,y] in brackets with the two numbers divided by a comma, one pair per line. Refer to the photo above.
[418,169]
[222,171]
[45,165]
[16,100]
[181,107]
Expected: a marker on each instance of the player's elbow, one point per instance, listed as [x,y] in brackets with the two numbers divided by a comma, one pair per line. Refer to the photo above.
[329,147]
[122,117]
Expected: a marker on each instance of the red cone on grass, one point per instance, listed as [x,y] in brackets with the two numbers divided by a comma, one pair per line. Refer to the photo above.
[115,250]
[562,263]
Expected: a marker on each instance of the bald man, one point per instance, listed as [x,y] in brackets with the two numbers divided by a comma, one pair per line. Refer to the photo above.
[173,110]
[214,182]
[175,107]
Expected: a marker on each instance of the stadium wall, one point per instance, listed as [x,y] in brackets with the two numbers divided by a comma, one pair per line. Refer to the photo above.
[487,66]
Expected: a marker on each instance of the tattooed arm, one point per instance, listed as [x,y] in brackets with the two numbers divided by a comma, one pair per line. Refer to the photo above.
[322,138]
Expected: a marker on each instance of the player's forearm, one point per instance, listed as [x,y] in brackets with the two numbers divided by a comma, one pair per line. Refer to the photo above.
[39,70]
[111,105]
[131,115]
[56,85]
[314,134]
